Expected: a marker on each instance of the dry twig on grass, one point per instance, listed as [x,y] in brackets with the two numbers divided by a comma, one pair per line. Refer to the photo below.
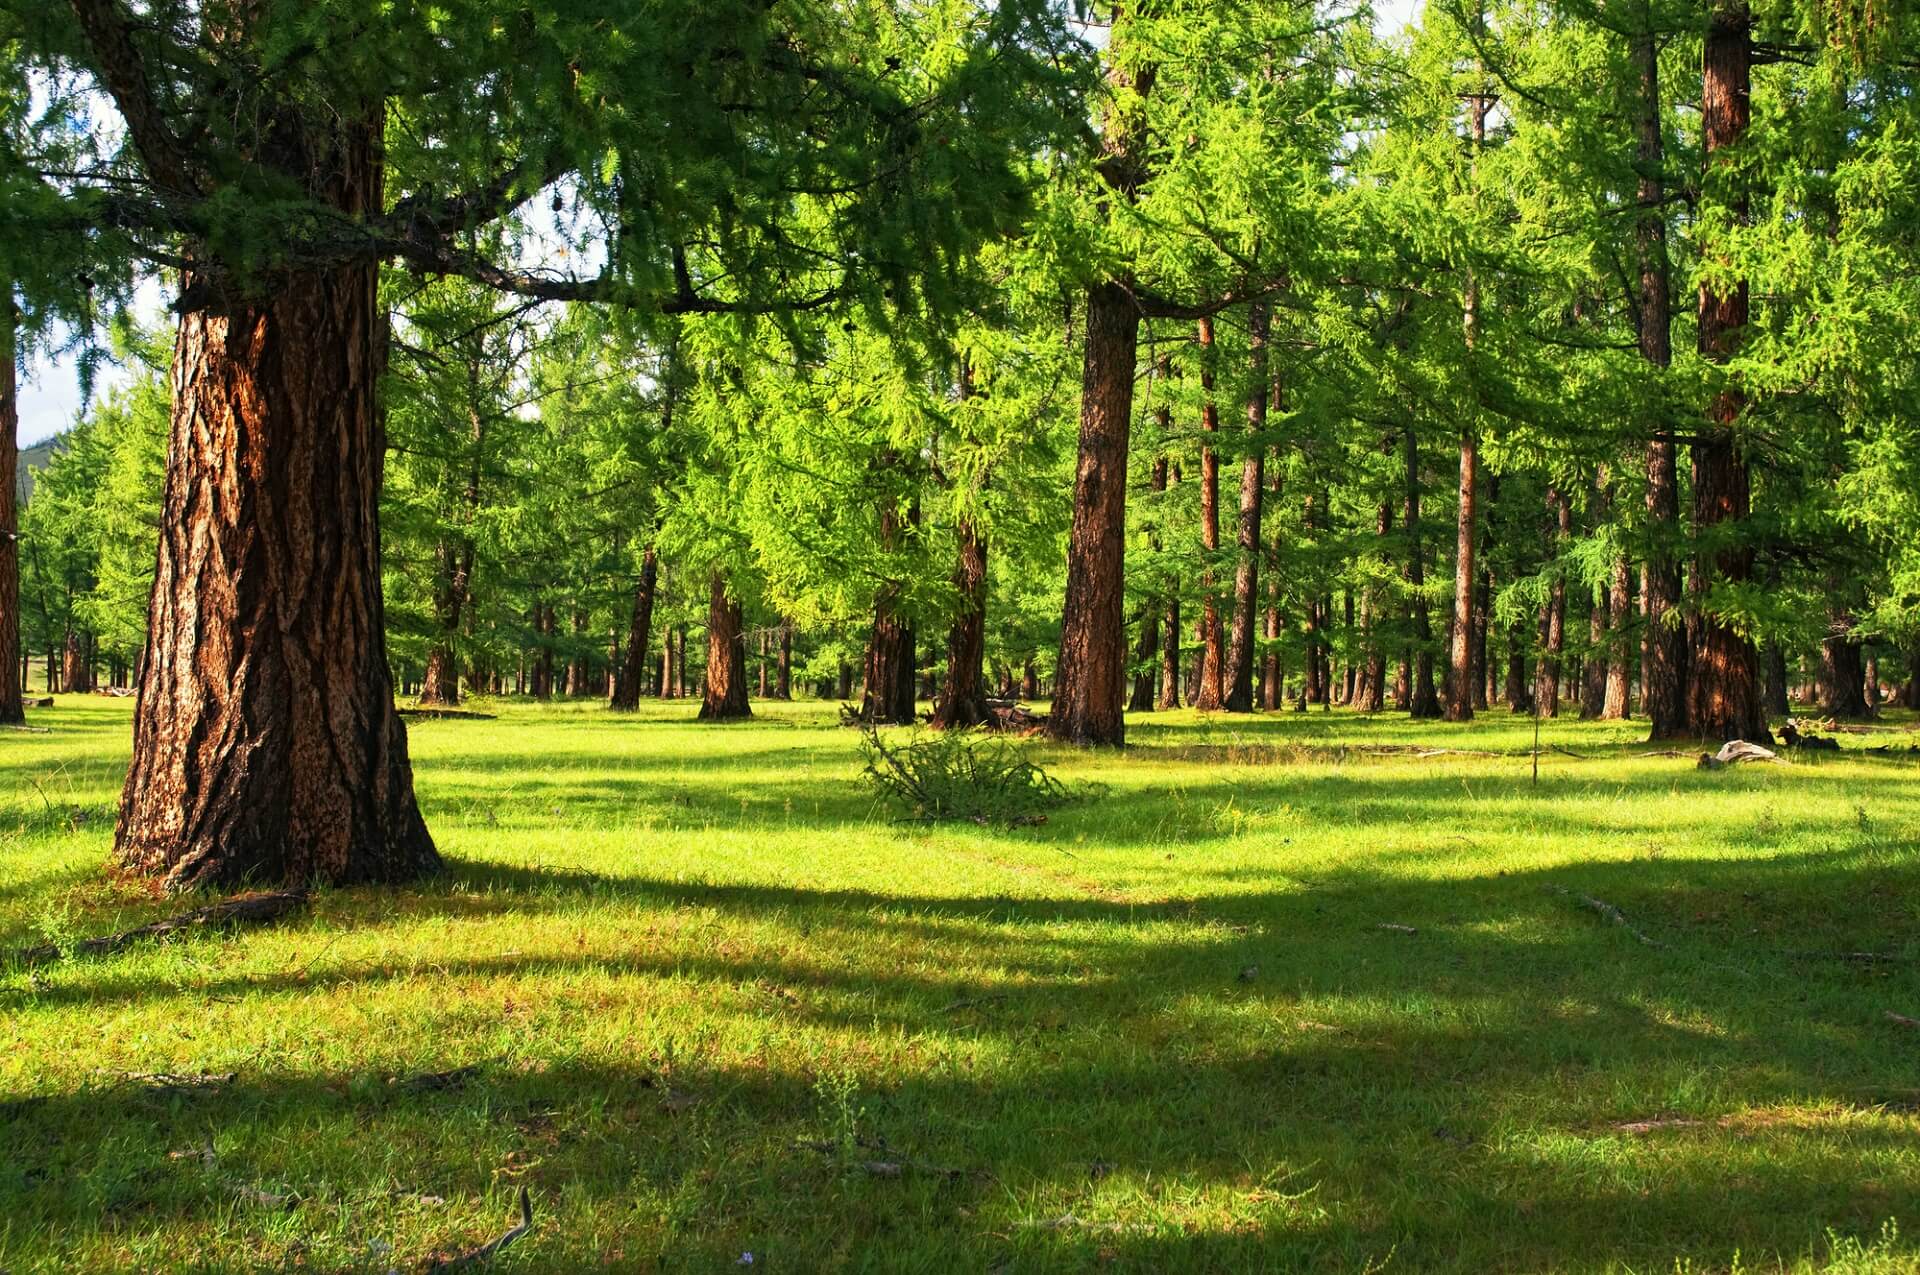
[1606,910]
[487,1252]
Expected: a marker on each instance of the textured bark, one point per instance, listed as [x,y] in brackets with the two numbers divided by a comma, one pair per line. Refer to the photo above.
[12,658]
[1093,630]
[726,690]
[1873,681]
[1724,691]
[1422,702]
[633,664]
[963,701]
[76,669]
[541,682]
[887,697]
[1029,680]
[1091,676]
[1246,575]
[266,746]
[1211,694]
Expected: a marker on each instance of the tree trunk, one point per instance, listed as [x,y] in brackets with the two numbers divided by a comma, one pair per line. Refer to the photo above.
[1149,647]
[1170,655]
[1617,701]
[783,682]
[1775,690]
[12,657]
[633,667]
[1422,702]
[1725,693]
[1029,680]
[1842,677]
[1212,691]
[964,701]
[1553,615]
[266,745]
[1663,681]
[726,692]
[1593,668]
[764,667]
[1246,576]
[1467,538]
[579,662]
[1093,628]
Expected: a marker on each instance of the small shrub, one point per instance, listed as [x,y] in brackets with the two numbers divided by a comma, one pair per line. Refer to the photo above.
[960,775]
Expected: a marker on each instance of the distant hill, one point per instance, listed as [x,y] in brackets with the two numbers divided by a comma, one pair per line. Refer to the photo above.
[35,458]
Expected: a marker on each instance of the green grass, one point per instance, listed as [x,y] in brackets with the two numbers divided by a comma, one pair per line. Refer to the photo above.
[1162,1031]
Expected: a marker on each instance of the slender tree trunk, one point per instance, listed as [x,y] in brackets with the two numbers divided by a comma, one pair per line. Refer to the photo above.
[1212,691]
[1617,703]
[633,668]
[1460,685]
[1246,578]
[1029,680]
[1725,692]
[726,691]
[764,667]
[783,682]
[1593,667]
[1170,655]
[1143,656]
[579,661]
[12,655]
[964,701]
[1553,615]
[1422,701]
[266,745]
[888,695]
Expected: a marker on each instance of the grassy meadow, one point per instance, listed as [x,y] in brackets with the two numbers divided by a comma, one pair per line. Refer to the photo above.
[1257,1001]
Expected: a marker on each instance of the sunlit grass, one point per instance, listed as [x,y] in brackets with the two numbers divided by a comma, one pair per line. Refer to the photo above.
[708,983]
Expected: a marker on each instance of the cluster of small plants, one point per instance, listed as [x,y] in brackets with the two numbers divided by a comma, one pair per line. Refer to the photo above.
[957,774]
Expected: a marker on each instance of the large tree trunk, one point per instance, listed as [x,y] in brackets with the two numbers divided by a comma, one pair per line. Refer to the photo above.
[1725,693]
[726,693]
[1246,576]
[1093,630]
[1663,682]
[1422,702]
[76,675]
[633,666]
[1842,675]
[888,695]
[266,745]
[12,662]
[964,700]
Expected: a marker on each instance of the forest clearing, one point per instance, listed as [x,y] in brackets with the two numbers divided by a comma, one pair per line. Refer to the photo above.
[1254,1003]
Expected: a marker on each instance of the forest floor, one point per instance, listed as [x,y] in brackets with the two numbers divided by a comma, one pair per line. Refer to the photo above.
[1255,1002]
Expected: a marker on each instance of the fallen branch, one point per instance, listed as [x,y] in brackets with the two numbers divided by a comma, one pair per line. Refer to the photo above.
[165,1082]
[886,1168]
[1606,910]
[1568,752]
[968,1002]
[28,730]
[486,1252]
[248,909]
[1397,929]
[1903,1020]
[457,713]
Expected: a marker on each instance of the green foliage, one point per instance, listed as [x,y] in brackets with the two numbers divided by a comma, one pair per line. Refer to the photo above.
[955,774]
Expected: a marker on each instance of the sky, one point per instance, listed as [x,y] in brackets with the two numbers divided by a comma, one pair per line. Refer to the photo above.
[50,390]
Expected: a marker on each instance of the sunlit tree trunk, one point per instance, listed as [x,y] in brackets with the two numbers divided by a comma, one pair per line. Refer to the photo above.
[964,699]
[266,746]
[1142,699]
[1553,613]
[633,665]
[12,661]
[1422,700]
[1212,691]
[1725,687]
[1246,578]
[726,684]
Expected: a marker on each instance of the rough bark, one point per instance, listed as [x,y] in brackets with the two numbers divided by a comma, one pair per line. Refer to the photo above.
[1617,702]
[76,670]
[1246,575]
[726,688]
[1459,707]
[1724,699]
[12,660]
[266,745]
[1170,656]
[1091,676]
[1093,633]
[633,665]
[963,701]
[887,697]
